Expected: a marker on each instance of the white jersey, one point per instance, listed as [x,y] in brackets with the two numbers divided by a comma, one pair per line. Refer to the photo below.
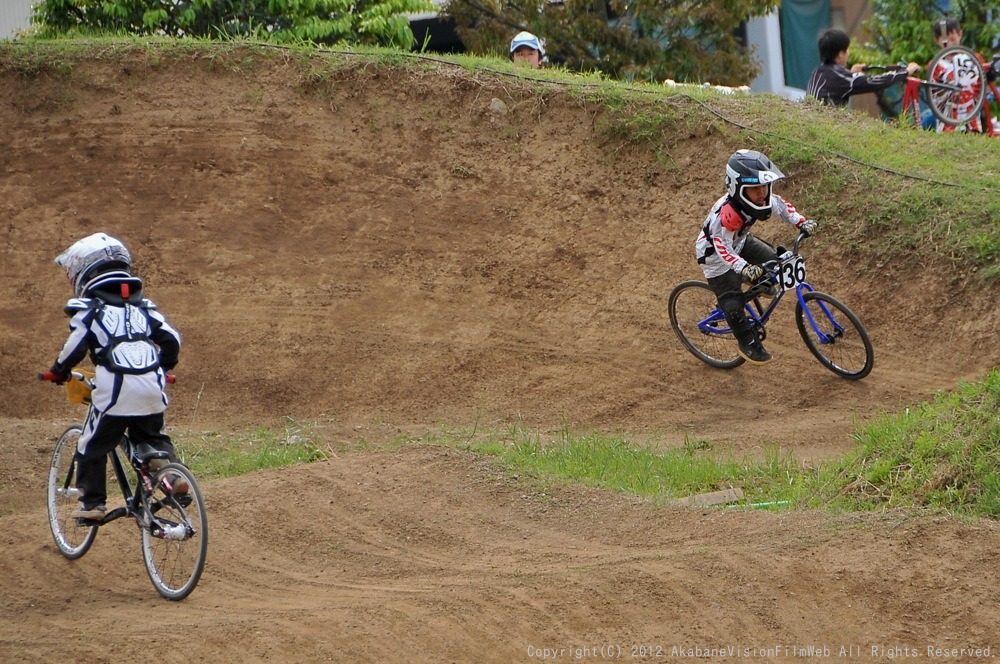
[719,250]
[115,392]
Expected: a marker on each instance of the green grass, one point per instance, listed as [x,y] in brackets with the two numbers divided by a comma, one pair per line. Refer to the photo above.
[939,455]
[215,455]
[943,454]
[611,462]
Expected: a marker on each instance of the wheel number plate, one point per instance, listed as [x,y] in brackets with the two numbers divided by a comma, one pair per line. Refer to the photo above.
[791,272]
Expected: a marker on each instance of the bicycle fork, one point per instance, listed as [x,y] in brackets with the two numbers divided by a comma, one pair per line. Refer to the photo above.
[824,338]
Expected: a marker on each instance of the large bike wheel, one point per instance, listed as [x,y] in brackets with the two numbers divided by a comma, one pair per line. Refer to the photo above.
[63,497]
[701,327]
[175,541]
[956,85]
[835,335]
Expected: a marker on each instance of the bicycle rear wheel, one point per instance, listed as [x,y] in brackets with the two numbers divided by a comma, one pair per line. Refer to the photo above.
[175,541]
[62,497]
[955,66]
[835,335]
[701,327]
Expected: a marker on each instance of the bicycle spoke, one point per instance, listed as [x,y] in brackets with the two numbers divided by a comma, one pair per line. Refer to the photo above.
[701,327]
[834,335]
[72,539]
[175,541]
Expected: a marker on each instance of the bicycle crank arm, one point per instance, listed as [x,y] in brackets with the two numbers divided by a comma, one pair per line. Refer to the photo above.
[116,513]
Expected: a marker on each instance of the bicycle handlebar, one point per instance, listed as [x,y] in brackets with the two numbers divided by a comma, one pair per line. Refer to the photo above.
[770,267]
[52,377]
[798,240]
[868,68]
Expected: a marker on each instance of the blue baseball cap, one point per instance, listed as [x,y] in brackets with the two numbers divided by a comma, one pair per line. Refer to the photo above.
[526,39]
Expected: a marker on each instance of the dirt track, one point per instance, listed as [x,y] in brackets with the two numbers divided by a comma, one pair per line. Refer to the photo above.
[380,252]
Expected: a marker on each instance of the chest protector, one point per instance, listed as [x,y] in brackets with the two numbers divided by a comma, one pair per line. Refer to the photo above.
[731,220]
[129,349]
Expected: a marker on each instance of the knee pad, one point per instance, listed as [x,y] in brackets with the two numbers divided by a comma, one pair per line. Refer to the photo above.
[731,303]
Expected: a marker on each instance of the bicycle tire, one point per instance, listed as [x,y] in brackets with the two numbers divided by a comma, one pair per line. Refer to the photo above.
[694,302]
[62,497]
[956,65]
[175,540]
[849,352]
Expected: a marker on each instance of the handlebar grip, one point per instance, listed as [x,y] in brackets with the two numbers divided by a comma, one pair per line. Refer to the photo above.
[171,378]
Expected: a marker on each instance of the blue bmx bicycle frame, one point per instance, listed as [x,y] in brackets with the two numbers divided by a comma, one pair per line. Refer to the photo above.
[831,331]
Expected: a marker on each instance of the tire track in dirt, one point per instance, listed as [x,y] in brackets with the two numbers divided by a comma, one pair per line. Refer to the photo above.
[506,566]
[378,254]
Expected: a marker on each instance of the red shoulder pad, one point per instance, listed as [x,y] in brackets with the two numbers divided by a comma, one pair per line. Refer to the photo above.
[731,219]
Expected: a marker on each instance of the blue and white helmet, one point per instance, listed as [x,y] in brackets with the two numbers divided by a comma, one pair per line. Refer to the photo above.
[749,168]
[95,260]
[525,38]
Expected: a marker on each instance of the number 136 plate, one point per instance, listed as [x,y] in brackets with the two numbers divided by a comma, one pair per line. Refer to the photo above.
[791,272]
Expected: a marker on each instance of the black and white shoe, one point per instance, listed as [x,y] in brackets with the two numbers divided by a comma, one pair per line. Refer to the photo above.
[755,353]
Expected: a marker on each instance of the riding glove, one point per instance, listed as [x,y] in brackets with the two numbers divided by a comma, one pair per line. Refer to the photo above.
[752,273]
[808,226]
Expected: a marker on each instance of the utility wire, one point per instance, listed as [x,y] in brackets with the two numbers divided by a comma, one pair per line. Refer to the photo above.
[584,84]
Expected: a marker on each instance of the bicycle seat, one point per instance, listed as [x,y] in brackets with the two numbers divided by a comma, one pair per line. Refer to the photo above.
[145,453]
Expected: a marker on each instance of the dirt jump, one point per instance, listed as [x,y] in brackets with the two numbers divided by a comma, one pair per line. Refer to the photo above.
[385,251]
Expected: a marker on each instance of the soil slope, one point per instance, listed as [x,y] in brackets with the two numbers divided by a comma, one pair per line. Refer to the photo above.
[387,250]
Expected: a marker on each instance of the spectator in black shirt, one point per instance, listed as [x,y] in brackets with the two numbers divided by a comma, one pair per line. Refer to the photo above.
[833,83]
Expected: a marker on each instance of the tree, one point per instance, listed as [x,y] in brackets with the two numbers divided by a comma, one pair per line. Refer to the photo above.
[376,22]
[902,30]
[689,41]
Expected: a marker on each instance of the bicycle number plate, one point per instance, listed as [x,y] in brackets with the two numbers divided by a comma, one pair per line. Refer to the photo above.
[791,272]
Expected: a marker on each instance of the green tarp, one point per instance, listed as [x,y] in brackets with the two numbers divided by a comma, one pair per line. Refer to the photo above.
[801,23]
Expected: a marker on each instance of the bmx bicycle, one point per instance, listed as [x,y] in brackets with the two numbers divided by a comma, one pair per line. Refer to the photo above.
[954,90]
[831,331]
[172,521]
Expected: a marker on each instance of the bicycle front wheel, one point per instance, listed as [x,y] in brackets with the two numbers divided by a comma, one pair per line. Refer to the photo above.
[834,335]
[175,540]
[62,497]
[956,85]
[700,325]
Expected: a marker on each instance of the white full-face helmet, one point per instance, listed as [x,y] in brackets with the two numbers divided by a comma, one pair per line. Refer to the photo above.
[95,260]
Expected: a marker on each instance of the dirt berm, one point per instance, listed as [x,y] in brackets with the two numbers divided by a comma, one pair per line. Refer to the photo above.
[381,251]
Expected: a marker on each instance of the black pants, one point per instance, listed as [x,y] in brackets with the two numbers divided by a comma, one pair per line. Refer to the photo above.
[755,251]
[100,435]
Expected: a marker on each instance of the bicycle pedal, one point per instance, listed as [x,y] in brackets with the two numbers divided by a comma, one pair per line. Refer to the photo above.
[89,523]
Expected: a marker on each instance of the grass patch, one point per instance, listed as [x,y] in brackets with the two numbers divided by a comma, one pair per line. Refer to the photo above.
[215,455]
[941,455]
[612,462]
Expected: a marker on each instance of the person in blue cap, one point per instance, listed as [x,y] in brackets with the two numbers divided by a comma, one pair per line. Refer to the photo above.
[526,48]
